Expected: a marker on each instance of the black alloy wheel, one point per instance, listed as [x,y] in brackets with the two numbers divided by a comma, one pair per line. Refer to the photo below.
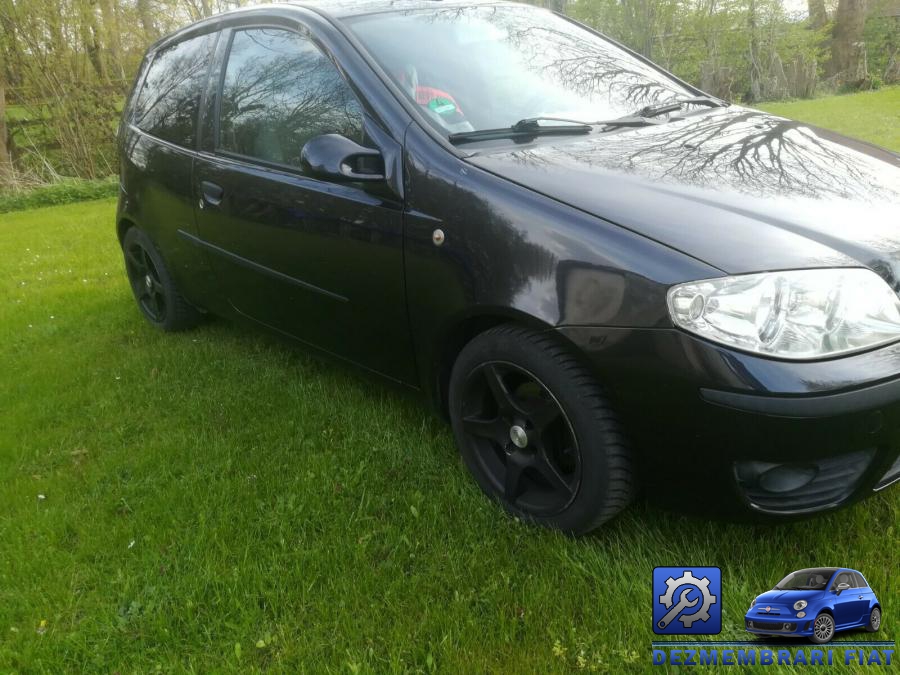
[524,442]
[145,282]
[154,289]
[536,431]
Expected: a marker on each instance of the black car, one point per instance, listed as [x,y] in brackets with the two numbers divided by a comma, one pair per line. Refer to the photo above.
[600,274]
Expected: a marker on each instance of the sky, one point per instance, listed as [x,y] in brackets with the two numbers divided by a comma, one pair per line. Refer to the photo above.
[795,6]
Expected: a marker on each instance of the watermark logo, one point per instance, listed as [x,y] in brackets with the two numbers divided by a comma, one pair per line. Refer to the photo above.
[687,601]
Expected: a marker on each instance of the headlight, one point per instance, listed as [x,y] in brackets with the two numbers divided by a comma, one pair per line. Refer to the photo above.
[802,314]
[800,604]
[800,615]
[753,602]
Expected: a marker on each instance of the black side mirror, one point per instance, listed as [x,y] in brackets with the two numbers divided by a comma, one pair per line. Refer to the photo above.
[337,158]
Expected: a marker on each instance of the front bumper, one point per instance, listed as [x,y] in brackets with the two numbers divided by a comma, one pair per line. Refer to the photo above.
[774,625]
[750,435]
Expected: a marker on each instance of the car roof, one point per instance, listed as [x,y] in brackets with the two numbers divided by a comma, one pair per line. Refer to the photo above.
[334,10]
[340,9]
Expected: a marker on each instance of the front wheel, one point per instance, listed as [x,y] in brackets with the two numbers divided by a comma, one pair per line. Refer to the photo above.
[874,620]
[536,431]
[823,629]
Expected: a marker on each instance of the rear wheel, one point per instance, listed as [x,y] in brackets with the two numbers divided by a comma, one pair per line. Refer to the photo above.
[154,289]
[536,431]
[874,620]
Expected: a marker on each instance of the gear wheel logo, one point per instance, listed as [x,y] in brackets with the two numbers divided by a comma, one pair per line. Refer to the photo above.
[687,601]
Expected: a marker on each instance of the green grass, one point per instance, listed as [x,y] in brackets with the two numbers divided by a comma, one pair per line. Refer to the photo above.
[63,192]
[873,116]
[218,501]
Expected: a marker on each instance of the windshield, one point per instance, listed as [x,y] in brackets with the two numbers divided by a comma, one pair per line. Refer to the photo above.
[805,580]
[485,67]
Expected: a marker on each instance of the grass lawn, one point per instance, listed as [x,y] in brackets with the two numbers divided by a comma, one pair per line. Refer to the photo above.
[218,501]
[873,116]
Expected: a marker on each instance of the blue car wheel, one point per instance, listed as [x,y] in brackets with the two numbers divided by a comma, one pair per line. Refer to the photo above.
[823,629]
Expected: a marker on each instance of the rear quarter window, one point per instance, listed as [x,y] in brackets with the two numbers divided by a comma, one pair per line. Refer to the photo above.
[167,102]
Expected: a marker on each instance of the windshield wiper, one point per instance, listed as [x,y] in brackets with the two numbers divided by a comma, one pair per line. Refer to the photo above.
[525,128]
[648,114]
[531,126]
[678,104]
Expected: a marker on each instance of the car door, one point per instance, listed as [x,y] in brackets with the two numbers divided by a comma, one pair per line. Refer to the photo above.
[319,260]
[847,605]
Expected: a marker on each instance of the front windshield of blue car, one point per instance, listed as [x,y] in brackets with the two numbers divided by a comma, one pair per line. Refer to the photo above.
[488,66]
[805,580]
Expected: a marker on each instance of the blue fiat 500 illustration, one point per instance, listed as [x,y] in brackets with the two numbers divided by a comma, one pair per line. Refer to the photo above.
[815,603]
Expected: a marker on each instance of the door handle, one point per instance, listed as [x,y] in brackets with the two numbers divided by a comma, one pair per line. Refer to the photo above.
[211,192]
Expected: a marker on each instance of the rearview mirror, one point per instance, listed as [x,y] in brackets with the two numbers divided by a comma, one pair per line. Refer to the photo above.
[842,587]
[335,157]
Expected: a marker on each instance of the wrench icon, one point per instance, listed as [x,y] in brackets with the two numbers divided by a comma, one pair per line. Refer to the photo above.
[683,603]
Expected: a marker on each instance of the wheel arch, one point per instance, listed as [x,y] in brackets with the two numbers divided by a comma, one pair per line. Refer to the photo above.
[466,327]
[125,223]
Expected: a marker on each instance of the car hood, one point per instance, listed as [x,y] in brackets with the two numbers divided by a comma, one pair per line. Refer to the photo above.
[739,189]
[785,597]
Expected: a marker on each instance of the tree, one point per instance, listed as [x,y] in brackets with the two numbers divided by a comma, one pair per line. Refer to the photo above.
[818,17]
[848,51]
[5,159]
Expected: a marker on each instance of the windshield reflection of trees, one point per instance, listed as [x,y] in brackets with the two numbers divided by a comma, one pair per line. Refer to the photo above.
[570,68]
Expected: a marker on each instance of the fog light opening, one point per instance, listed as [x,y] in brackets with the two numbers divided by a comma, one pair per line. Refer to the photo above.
[786,478]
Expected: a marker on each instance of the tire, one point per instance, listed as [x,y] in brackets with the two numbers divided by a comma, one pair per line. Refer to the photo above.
[823,636]
[154,290]
[874,620]
[571,471]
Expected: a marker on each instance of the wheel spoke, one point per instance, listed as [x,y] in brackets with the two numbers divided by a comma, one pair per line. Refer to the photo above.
[493,429]
[136,263]
[506,402]
[550,473]
[512,484]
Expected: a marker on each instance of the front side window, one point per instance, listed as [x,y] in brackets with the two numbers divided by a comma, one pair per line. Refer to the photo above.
[842,578]
[280,91]
[167,103]
[485,67]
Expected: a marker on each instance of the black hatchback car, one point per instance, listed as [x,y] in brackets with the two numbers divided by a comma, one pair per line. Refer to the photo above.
[601,275]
